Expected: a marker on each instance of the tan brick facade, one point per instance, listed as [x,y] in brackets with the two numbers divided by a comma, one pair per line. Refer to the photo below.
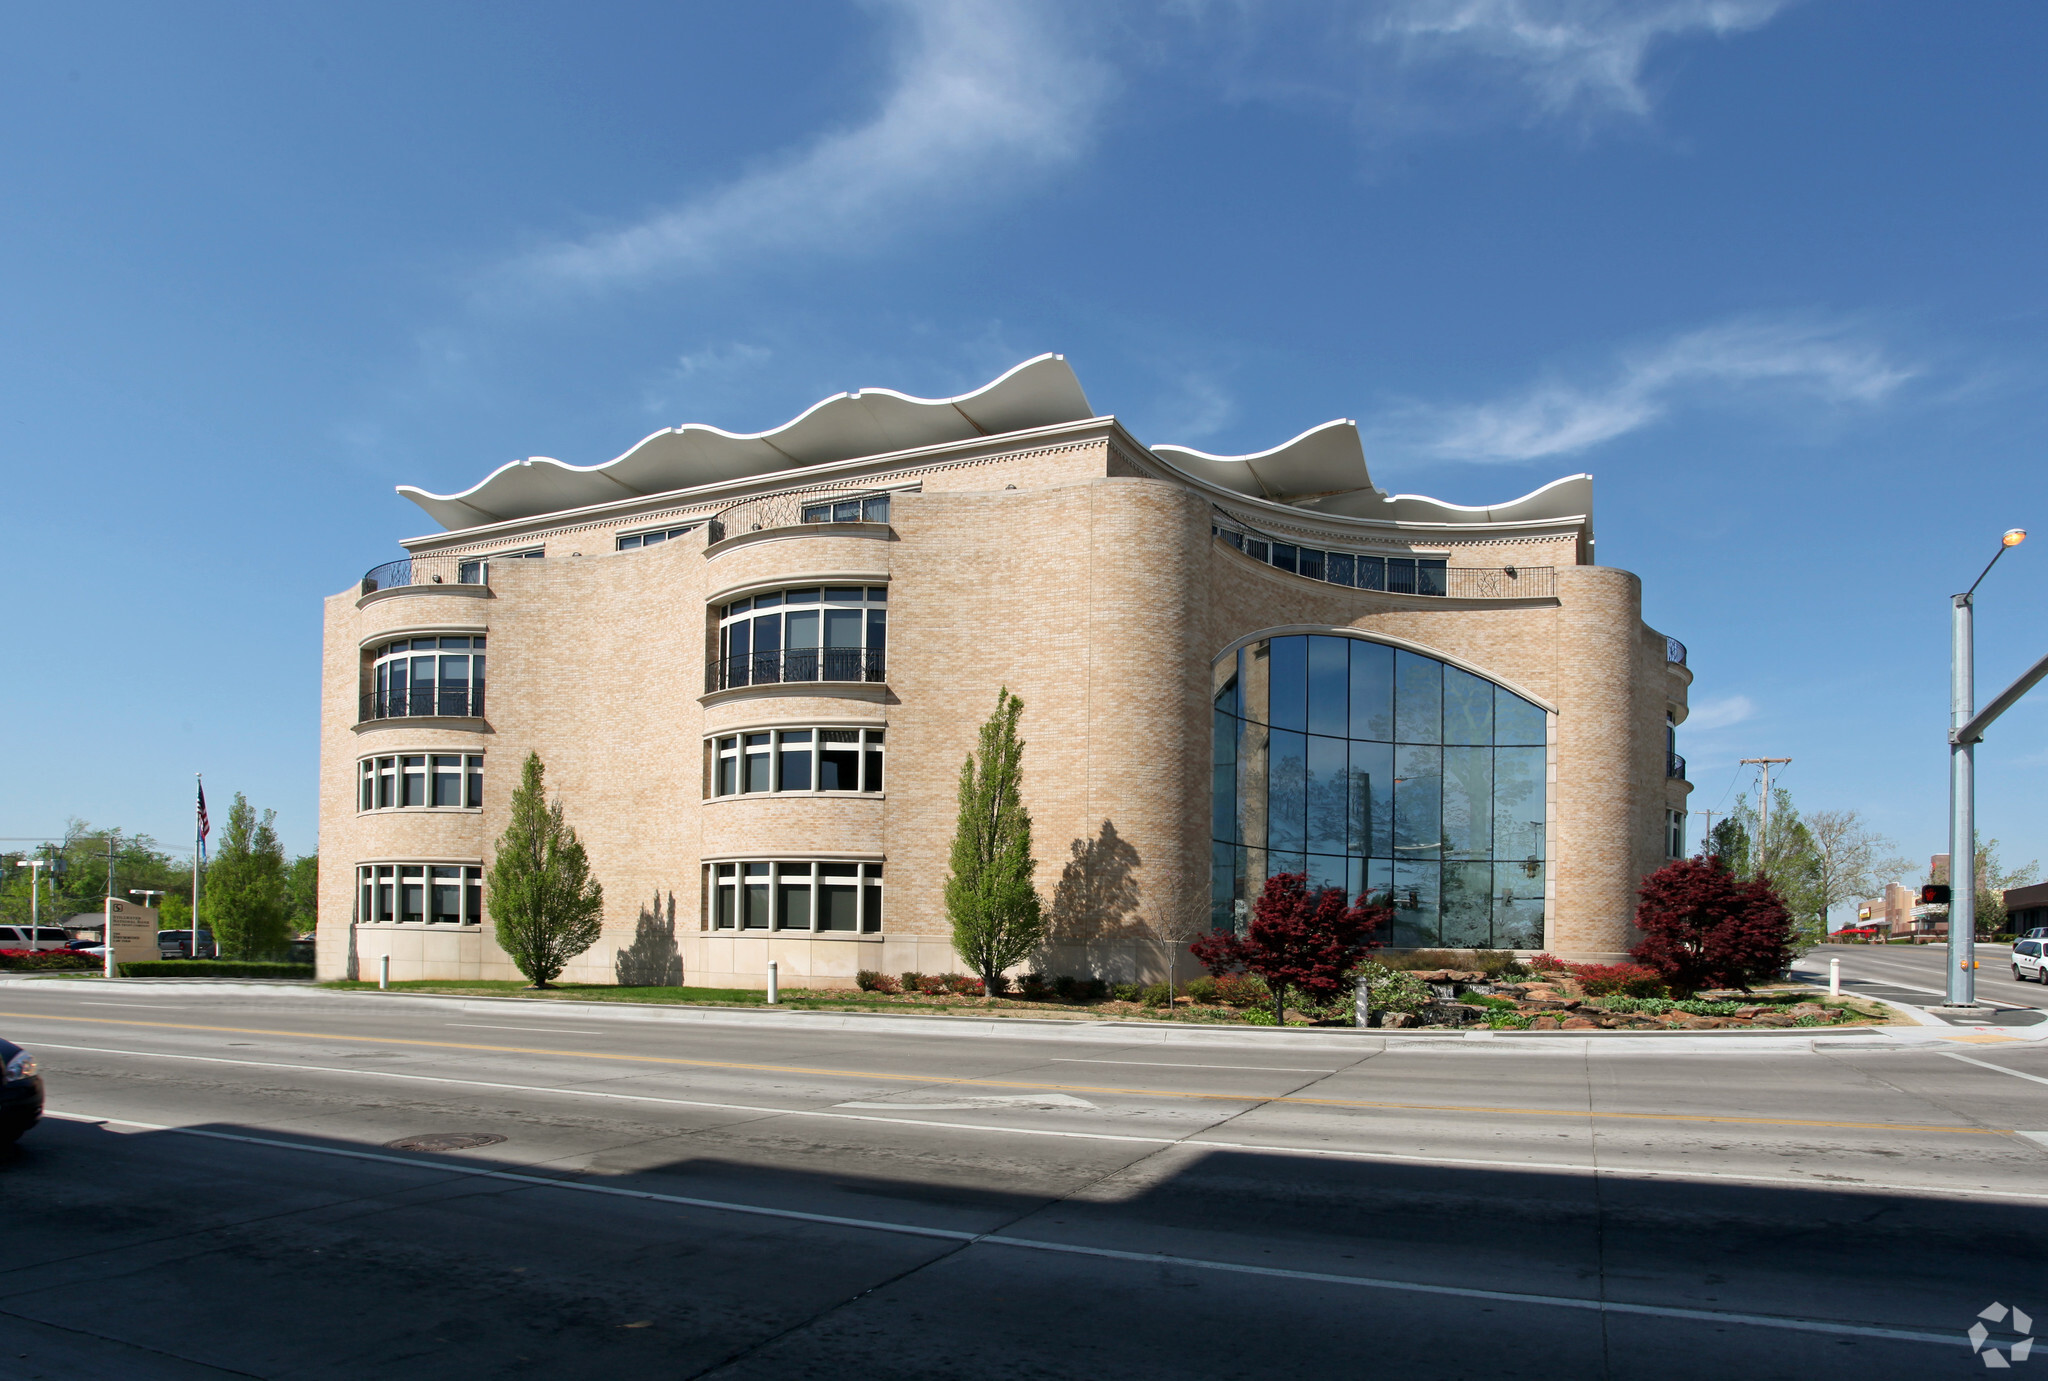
[1069,565]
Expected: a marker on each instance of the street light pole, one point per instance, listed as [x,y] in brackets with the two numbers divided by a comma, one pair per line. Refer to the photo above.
[1962,788]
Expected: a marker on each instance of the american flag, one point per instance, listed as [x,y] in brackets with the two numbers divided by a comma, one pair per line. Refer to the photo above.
[204,826]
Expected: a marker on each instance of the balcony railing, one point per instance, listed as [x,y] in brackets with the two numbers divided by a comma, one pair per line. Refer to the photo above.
[1674,767]
[1674,651]
[450,702]
[428,570]
[1395,574]
[794,510]
[796,664]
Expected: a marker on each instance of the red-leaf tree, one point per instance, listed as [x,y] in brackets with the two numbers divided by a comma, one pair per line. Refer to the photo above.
[1703,927]
[1297,939]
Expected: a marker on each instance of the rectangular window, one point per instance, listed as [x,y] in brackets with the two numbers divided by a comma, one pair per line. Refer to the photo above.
[475,797]
[838,760]
[754,886]
[473,895]
[1338,568]
[1285,556]
[444,896]
[873,780]
[1429,576]
[412,781]
[412,894]
[728,780]
[839,896]
[1311,563]
[795,774]
[447,779]
[387,782]
[1401,575]
[793,896]
[1371,573]
[367,794]
[759,763]
[725,913]
[871,913]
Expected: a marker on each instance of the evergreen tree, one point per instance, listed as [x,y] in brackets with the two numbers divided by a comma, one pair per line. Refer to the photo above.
[244,900]
[547,906]
[1729,842]
[302,887]
[996,914]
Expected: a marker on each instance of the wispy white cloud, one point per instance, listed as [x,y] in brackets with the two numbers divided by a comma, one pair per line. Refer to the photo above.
[1568,54]
[1831,364]
[1720,713]
[713,364]
[982,95]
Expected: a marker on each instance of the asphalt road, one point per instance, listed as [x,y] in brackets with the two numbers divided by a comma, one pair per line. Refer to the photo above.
[1918,974]
[219,1199]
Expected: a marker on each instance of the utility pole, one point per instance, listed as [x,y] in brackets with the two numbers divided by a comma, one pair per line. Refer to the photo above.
[1763,807]
[1707,839]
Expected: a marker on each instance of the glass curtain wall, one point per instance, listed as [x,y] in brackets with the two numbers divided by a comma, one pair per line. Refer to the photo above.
[1387,773]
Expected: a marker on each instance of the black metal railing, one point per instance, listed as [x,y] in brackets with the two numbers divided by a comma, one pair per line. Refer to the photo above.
[796,664]
[1674,651]
[1395,574]
[795,510]
[427,570]
[451,702]
[1674,767]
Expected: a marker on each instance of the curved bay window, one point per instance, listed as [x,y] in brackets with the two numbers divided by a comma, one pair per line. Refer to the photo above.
[420,894]
[769,760]
[818,896]
[403,781]
[828,633]
[1387,773]
[427,676]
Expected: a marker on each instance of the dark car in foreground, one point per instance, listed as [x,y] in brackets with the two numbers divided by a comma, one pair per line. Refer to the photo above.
[21,1092]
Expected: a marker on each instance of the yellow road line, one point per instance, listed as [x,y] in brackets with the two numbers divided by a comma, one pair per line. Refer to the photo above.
[897,1077]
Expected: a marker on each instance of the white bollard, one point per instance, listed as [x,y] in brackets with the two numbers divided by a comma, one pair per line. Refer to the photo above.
[383,971]
[1834,978]
[774,989]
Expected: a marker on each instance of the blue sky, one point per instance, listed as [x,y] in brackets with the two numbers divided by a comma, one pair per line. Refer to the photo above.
[1771,271]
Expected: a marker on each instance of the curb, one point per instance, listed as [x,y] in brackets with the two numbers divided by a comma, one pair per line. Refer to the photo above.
[1042,1028]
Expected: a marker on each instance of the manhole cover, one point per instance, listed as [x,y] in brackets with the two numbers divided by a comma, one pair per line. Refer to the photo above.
[445,1141]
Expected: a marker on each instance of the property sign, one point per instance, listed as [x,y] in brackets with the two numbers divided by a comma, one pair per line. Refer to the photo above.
[131,931]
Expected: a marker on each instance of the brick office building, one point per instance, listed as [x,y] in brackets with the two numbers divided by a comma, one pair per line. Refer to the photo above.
[754,664]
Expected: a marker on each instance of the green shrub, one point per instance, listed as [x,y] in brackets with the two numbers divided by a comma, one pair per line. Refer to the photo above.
[1260,1016]
[1157,995]
[1499,1004]
[1392,990]
[213,968]
[912,981]
[1202,989]
[868,980]
[1510,1021]
[1126,992]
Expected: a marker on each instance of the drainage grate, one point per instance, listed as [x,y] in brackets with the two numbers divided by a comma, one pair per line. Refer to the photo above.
[444,1141]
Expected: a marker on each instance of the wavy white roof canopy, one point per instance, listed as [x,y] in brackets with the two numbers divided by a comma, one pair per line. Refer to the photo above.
[1322,470]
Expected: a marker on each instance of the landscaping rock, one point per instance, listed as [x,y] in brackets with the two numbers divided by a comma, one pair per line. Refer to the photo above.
[1578,1023]
[1396,1020]
[1774,1019]
[1547,1023]
[1451,976]
[1747,1013]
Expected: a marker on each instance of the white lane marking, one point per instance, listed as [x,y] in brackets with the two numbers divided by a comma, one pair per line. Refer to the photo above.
[1162,1064]
[970,1102]
[997,1239]
[1261,1148]
[1986,1064]
[551,1030]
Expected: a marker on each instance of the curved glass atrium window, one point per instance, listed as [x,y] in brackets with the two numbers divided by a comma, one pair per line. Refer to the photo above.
[1387,773]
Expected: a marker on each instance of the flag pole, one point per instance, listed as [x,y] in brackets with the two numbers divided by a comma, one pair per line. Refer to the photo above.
[198,856]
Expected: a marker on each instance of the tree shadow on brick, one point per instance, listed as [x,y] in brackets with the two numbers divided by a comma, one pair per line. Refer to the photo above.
[1096,902]
[653,960]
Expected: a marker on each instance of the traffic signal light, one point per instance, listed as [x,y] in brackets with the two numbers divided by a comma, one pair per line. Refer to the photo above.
[1934,894]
